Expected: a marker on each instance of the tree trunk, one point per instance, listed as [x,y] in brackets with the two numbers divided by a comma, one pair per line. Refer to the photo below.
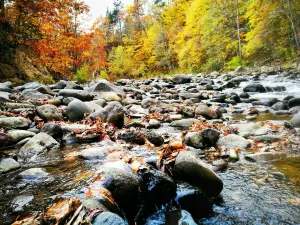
[238,28]
[294,29]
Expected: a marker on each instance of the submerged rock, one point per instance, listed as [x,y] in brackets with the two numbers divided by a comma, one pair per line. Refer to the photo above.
[33,174]
[98,152]
[255,88]
[8,165]
[38,144]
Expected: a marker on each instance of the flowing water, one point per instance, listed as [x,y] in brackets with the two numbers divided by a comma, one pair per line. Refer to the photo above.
[254,193]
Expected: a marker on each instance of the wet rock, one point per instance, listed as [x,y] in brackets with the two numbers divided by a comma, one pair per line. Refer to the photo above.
[244,95]
[188,111]
[124,187]
[53,130]
[22,143]
[265,156]
[15,136]
[132,136]
[77,110]
[108,218]
[181,79]
[79,94]
[184,123]
[295,120]
[4,96]
[19,202]
[60,85]
[6,87]
[248,129]
[14,123]
[8,165]
[294,102]
[31,85]
[279,106]
[157,188]
[255,88]
[98,152]
[45,90]
[266,138]
[294,110]
[105,86]
[9,106]
[203,139]
[190,169]
[176,117]
[205,111]
[100,102]
[147,102]
[73,85]
[93,106]
[33,94]
[129,101]
[219,165]
[136,109]
[33,174]
[153,124]
[49,112]
[193,200]
[68,100]
[113,112]
[153,137]
[233,141]
[38,144]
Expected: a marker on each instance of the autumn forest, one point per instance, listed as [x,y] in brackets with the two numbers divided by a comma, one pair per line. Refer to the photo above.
[152,37]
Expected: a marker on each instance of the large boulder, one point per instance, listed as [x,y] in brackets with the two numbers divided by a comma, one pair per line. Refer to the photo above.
[8,165]
[296,120]
[77,110]
[33,174]
[79,94]
[194,200]
[49,112]
[294,102]
[31,85]
[38,144]
[189,168]
[205,138]
[157,188]
[9,123]
[181,79]
[233,141]
[255,88]
[113,112]
[73,85]
[124,187]
[105,86]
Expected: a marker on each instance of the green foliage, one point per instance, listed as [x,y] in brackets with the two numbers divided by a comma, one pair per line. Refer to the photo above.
[235,63]
[212,65]
[83,75]
[104,75]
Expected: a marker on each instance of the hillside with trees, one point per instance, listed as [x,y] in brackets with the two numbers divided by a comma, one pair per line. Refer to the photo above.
[148,37]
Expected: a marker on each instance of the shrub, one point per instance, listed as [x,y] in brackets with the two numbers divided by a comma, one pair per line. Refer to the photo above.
[235,63]
[82,75]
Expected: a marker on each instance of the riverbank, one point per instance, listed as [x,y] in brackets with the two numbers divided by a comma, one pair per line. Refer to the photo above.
[194,148]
